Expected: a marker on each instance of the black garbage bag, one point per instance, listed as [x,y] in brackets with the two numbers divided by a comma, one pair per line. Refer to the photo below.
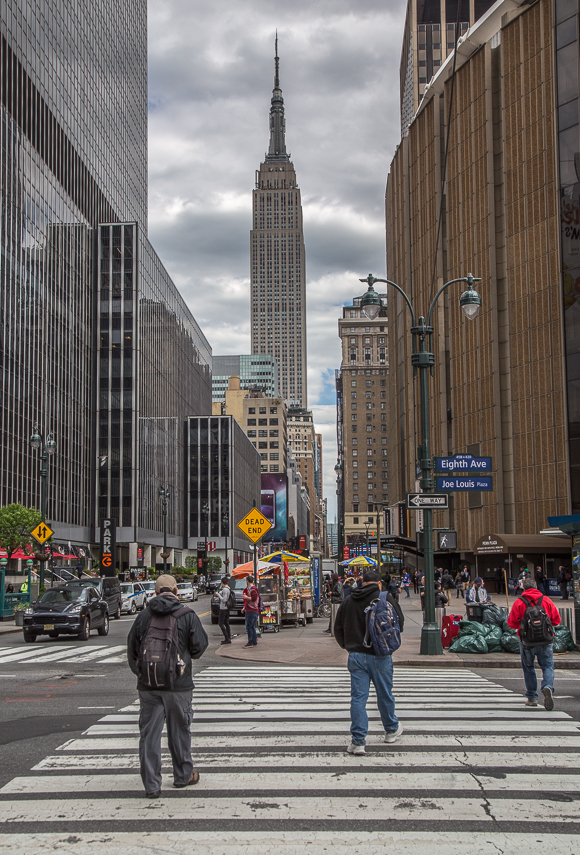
[564,634]
[472,627]
[471,643]
[493,639]
[559,644]
[494,615]
[507,628]
[510,642]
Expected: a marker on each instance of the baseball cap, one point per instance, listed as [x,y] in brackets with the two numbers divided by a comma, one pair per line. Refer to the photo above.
[478,580]
[166,581]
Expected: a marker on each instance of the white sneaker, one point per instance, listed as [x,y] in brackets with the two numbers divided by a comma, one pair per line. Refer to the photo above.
[355,749]
[392,737]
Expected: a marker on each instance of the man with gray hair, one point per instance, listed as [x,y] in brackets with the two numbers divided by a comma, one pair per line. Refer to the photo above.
[161,645]
[534,616]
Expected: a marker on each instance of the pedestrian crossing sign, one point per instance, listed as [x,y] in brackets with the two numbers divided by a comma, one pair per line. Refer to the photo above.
[254,525]
[42,532]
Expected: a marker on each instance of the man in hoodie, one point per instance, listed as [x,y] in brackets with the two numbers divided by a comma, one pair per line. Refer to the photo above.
[172,706]
[544,653]
[364,665]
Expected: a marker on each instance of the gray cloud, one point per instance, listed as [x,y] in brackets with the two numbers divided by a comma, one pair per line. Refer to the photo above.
[210,80]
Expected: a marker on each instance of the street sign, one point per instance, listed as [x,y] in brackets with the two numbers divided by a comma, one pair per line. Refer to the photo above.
[419,501]
[42,532]
[254,525]
[463,463]
[484,482]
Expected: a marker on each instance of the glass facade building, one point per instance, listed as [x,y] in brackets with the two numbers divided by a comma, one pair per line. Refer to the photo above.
[256,371]
[96,344]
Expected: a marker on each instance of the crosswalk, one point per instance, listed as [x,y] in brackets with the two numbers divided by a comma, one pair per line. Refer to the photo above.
[475,772]
[68,652]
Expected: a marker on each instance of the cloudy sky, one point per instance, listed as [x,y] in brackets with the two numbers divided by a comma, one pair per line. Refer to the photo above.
[210,83]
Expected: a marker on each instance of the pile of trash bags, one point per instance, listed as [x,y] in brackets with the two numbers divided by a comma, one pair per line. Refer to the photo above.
[494,635]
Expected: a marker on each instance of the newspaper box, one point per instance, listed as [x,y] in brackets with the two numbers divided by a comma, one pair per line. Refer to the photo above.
[449,629]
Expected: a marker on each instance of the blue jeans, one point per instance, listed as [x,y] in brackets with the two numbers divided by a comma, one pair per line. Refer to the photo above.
[406,589]
[251,621]
[363,668]
[545,656]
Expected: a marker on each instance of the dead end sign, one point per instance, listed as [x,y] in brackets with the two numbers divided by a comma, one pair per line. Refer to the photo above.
[254,525]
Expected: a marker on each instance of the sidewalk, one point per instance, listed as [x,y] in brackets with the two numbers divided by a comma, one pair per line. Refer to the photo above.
[7,626]
[310,646]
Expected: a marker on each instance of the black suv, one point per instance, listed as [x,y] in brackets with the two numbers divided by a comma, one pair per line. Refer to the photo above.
[109,589]
[238,586]
[68,610]
[213,583]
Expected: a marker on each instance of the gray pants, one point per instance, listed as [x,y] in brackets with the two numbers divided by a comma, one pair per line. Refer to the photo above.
[156,708]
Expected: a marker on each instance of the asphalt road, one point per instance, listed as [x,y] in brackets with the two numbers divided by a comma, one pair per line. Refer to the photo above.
[44,703]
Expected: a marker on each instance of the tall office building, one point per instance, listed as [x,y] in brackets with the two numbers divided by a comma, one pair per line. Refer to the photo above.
[96,343]
[431,30]
[256,371]
[361,393]
[506,384]
[278,274]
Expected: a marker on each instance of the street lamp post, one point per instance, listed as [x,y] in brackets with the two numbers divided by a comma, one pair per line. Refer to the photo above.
[205,512]
[424,359]
[226,526]
[165,496]
[48,446]
[340,510]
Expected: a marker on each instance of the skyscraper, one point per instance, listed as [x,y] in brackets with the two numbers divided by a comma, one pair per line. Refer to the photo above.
[277,275]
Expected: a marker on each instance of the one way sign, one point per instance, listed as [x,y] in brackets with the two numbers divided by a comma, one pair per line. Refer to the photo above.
[420,501]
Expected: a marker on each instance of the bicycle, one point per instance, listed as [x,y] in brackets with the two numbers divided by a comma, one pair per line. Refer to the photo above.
[323,609]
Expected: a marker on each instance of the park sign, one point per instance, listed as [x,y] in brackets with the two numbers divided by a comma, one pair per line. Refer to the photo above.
[425,501]
[466,483]
[254,525]
[108,562]
[464,463]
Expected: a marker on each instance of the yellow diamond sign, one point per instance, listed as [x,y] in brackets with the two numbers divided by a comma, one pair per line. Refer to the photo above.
[254,525]
[42,532]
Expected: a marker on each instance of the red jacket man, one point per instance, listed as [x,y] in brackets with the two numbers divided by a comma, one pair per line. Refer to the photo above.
[543,653]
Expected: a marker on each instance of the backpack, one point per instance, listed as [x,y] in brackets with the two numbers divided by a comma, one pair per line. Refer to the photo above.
[231,603]
[382,627]
[536,628]
[159,660]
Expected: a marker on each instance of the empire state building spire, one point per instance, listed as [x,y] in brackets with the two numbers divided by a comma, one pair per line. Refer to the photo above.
[277,149]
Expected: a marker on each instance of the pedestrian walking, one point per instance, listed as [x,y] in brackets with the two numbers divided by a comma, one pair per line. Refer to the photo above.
[441,598]
[563,579]
[224,613]
[477,592]
[416,582]
[251,610]
[524,575]
[534,616]
[459,585]
[337,595]
[447,584]
[465,579]
[540,580]
[499,581]
[406,582]
[364,665]
[163,640]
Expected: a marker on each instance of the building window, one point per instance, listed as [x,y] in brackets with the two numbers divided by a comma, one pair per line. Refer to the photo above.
[274,468]
[273,421]
[262,445]
[264,468]
[353,406]
[353,313]
[273,411]
[273,433]
[262,433]
[369,428]
[262,410]
[251,433]
[262,422]
[251,409]
[354,452]
[367,341]
[355,508]
[355,519]
[367,329]
[275,456]
[355,463]
[353,383]
[264,457]
[353,417]
[251,421]
[355,442]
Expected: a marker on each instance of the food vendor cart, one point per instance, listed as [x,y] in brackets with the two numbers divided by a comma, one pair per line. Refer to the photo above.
[270,616]
[301,582]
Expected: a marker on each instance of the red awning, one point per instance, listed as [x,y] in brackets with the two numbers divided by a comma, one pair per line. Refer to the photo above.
[17,554]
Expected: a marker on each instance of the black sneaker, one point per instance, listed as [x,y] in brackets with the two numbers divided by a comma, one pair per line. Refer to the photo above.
[154,795]
[548,699]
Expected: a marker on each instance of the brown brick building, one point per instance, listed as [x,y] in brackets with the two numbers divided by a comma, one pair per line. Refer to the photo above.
[500,386]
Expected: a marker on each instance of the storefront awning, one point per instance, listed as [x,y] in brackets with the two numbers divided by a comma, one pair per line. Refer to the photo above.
[523,544]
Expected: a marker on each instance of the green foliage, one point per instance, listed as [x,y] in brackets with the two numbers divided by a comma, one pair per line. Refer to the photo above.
[191,562]
[214,564]
[16,523]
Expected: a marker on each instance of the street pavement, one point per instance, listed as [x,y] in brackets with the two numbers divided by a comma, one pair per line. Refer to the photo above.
[475,771]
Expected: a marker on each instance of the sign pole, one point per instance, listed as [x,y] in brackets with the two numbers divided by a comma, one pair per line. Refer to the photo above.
[506,588]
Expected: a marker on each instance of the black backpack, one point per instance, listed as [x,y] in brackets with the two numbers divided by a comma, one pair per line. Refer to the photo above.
[159,661]
[536,628]
[231,603]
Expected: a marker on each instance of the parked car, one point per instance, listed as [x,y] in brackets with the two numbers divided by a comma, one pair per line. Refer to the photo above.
[67,610]
[109,589]
[134,597]
[149,588]
[238,586]
[186,591]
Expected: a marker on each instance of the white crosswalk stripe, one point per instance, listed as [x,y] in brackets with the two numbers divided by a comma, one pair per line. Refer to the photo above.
[98,653]
[475,773]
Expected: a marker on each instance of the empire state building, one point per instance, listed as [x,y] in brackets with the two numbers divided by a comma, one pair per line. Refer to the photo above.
[278,261]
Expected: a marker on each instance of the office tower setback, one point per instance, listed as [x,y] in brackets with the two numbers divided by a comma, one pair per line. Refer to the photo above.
[361,389]
[277,274]
[255,371]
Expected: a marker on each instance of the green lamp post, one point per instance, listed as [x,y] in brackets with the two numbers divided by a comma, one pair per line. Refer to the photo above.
[47,448]
[29,566]
[165,495]
[5,609]
[423,359]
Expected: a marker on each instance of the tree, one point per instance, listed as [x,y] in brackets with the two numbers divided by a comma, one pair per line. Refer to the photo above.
[214,565]
[16,523]
[191,562]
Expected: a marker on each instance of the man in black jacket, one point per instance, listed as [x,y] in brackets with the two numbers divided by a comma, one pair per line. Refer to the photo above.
[364,666]
[170,705]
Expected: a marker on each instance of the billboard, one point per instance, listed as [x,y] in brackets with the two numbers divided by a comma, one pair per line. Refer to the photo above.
[274,505]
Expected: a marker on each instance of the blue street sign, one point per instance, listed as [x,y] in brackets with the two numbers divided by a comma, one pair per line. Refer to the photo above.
[484,482]
[316,574]
[466,463]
